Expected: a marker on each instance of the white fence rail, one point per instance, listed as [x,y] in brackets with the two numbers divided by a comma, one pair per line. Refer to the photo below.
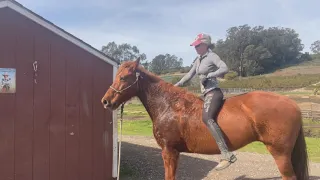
[314,115]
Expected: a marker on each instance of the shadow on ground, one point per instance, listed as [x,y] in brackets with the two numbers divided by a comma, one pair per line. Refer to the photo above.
[145,162]
[272,178]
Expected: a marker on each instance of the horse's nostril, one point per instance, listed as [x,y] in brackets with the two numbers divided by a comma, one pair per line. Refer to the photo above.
[105,102]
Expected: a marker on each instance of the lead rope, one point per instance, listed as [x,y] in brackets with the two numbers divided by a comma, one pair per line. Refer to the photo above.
[119,153]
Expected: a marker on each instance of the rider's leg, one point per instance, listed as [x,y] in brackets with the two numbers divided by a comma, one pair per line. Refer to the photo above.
[212,104]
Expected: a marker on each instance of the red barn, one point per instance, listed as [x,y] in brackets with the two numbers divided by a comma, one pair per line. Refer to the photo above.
[52,123]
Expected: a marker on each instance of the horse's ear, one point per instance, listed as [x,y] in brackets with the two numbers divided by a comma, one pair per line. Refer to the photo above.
[137,61]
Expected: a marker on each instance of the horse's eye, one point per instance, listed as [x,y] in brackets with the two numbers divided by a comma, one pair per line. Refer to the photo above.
[121,78]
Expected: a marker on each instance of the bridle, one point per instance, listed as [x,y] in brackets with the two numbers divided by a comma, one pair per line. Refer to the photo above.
[120,91]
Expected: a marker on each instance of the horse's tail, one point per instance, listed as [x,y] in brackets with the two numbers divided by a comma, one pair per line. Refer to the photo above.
[299,157]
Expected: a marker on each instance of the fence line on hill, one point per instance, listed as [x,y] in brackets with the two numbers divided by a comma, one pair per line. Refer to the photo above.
[244,90]
[314,115]
[310,114]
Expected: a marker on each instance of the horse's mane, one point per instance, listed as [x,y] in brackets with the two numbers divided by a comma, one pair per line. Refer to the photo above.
[166,86]
[153,77]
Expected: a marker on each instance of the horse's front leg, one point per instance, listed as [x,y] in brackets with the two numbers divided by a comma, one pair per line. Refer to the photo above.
[170,158]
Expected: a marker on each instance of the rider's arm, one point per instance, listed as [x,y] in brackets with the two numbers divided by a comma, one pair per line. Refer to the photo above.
[221,65]
[188,76]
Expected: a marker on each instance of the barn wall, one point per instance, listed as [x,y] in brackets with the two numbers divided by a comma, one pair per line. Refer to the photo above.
[55,128]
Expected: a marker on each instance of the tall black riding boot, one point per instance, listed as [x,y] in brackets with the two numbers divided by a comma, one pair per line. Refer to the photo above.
[227,157]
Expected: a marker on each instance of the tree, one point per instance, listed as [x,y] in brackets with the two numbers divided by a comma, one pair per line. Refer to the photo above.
[123,52]
[164,63]
[249,51]
[253,56]
[315,47]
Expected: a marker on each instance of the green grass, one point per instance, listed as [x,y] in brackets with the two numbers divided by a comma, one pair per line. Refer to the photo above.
[169,78]
[134,110]
[313,146]
[136,127]
[257,147]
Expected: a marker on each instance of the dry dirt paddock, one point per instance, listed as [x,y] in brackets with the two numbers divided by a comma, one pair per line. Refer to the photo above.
[142,160]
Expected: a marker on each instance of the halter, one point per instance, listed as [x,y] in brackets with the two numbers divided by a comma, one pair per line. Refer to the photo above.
[120,91]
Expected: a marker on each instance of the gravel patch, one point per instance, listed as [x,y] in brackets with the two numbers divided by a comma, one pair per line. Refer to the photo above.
[141,158]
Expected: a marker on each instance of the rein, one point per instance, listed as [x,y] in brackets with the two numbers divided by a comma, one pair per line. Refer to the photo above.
[121,117]
[119,151]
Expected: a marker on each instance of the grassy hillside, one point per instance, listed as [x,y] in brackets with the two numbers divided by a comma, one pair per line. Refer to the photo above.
[297,76]
[310,67]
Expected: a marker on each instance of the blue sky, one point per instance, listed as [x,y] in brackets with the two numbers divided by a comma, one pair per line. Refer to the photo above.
[165,26]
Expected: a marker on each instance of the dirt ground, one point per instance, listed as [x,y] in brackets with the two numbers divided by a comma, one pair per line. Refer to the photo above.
[142,157]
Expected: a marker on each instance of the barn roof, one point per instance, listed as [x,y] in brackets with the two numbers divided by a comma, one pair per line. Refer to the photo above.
[14,5]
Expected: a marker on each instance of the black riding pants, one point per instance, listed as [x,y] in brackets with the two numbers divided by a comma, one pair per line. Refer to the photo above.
[212,104]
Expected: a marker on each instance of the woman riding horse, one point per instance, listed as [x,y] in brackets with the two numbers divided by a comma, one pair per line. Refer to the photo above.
[209,66]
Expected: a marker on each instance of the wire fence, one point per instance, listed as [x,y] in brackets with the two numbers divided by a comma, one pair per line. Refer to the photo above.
[244,90]
[314,115]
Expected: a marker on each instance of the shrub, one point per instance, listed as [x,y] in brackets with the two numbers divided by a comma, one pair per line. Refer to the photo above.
[231,75]
[175,79]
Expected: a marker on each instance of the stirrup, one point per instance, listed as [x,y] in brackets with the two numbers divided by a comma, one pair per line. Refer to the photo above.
[233,159]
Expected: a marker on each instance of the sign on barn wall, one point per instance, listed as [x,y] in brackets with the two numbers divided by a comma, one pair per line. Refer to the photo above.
[8,80]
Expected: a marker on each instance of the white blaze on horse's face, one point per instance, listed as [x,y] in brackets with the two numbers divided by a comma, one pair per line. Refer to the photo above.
[124,86]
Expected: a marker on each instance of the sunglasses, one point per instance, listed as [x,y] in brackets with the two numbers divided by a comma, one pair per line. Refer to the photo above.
[198,45]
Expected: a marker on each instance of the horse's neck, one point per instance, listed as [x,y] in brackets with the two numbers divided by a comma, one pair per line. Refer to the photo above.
[154,99]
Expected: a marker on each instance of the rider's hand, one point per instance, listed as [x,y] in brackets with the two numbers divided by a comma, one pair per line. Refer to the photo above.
[204,81]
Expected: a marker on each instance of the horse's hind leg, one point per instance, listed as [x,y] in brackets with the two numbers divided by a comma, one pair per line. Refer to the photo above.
[170,158]
[282,158]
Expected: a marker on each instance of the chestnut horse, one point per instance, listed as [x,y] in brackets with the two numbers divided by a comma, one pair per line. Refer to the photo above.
[176,114]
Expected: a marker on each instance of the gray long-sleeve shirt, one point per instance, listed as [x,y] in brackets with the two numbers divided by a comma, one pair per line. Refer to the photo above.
[209,65]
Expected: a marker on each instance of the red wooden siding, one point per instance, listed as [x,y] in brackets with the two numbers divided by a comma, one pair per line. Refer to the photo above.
[7,104]
[56,129]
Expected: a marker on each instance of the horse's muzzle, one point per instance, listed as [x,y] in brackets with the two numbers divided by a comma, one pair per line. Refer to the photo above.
[108,105]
